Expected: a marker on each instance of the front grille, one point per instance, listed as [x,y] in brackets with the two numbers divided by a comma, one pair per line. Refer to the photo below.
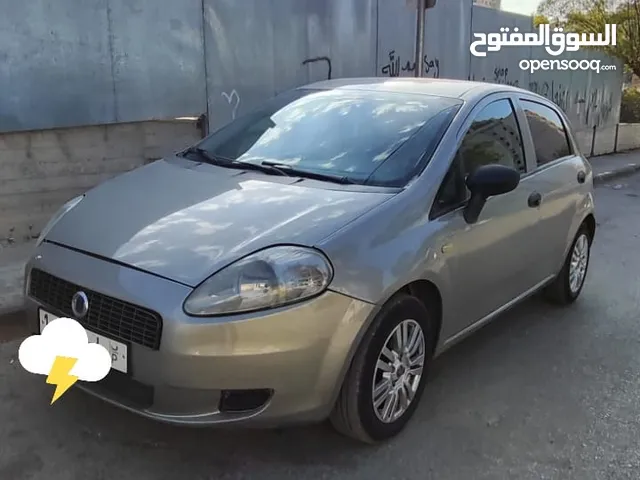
[108,316]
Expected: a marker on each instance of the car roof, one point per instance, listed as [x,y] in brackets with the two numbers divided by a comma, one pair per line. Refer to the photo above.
[461,89]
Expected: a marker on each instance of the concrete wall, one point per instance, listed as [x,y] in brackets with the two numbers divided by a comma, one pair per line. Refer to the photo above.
[40,170]
[488,3]
[259,48]
[500,67]
[585,141]
[628,136]
[589,98]
[71,63]
[604,141]
[446,47]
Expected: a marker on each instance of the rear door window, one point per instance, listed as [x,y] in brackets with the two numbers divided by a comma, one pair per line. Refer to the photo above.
[550,138]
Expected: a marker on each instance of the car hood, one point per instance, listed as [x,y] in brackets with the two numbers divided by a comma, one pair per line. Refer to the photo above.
[184,220]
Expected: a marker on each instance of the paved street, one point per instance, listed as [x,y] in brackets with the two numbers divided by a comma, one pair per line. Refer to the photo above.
[542,393]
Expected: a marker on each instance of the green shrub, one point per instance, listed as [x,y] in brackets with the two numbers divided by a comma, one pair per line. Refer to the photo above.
[630,106]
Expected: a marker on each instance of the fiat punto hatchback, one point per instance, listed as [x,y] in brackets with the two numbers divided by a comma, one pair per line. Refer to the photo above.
[309,259]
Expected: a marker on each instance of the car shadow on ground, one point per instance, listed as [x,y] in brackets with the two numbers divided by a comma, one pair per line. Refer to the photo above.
[12,326]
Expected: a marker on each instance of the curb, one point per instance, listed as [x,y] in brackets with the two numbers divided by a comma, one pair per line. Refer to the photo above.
[629,169]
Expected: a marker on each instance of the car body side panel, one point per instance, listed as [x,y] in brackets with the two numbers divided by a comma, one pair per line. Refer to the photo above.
[397,244]
[491,261]
[585,207]
[562,206]
[565,201]
[386,248]
[392,246]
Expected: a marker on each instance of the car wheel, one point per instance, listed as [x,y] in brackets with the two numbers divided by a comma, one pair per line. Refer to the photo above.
[387,376]
[567,286]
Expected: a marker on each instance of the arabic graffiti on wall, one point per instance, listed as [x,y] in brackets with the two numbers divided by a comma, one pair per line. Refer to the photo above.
[592,106]
[585,106]
[556,92]
[588,107]
[396,66]
[499,75]
[599,107]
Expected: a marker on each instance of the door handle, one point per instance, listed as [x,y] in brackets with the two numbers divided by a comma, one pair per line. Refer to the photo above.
[581,176]
[535,199]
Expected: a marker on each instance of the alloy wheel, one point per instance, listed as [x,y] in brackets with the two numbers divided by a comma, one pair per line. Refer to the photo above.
[398,371]
[578,264]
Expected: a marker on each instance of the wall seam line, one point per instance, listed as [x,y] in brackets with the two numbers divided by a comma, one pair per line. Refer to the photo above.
[116,114]
[377,37]
[206,65]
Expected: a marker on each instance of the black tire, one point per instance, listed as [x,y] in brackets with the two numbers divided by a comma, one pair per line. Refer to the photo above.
[354,414]
[559,291]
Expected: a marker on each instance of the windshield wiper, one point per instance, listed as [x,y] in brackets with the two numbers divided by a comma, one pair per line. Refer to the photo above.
[308,174]
[272,169]
[221,161]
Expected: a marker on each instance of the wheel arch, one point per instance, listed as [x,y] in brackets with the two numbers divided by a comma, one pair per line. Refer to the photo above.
[429,294]
[424,290]
[590,222]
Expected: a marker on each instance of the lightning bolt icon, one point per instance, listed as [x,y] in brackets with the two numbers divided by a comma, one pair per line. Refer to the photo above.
[59,376]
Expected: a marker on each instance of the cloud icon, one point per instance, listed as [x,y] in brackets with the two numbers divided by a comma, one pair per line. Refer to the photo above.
[64,353]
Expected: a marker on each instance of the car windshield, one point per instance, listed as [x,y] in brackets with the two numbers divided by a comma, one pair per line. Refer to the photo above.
[341,133]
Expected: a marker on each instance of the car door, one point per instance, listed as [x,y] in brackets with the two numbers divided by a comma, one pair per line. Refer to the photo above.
[488,262]
[558,174]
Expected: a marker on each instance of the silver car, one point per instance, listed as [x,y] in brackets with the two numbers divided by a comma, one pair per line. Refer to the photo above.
[309,259]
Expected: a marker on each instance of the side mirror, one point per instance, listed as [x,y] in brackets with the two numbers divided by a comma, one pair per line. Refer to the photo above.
[488,181]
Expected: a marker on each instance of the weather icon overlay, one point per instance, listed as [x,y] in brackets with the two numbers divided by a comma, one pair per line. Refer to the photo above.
[63,353]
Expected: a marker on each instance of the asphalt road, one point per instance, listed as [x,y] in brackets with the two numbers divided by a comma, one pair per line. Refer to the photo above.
[541,393]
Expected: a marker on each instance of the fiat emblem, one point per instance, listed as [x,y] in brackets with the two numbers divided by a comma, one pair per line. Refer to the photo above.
[79,304]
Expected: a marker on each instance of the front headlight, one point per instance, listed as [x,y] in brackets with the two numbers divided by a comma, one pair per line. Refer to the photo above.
[62,211]
[269,278]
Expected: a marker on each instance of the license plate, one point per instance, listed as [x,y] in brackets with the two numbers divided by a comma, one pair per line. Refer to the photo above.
[117,350]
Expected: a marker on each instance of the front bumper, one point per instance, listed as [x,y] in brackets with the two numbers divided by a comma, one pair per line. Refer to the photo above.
[297,354]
